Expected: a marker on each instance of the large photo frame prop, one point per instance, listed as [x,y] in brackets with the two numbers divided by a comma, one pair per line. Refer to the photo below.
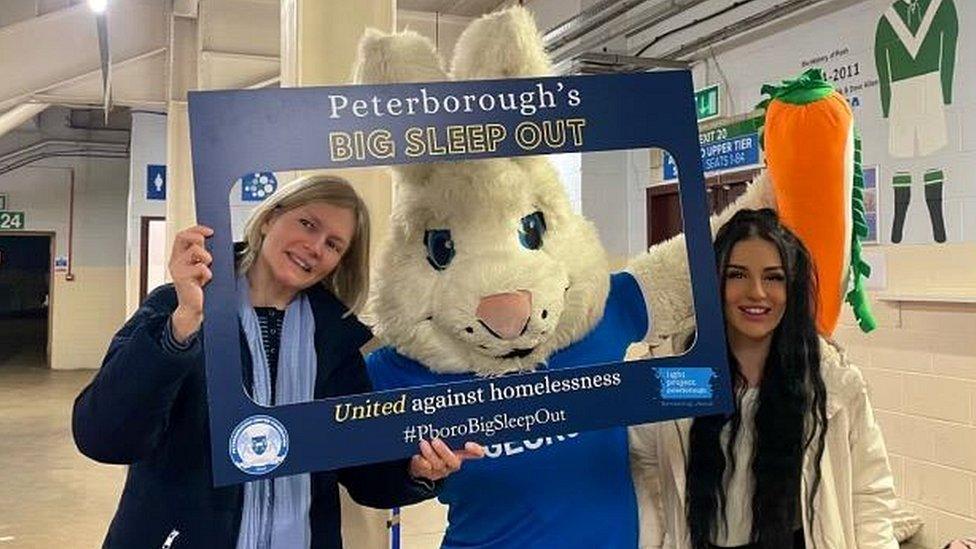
[245,131]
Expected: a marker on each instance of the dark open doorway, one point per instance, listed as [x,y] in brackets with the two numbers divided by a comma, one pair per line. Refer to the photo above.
[664,206]
[25,299]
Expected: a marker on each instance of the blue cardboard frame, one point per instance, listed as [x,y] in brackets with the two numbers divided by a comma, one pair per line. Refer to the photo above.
[241,131]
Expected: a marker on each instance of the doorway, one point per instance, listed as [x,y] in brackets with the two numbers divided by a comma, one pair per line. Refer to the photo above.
[152,255]
[664,204]
[25,299]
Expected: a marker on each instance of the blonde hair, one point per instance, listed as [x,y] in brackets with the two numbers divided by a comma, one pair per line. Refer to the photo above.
[349,281]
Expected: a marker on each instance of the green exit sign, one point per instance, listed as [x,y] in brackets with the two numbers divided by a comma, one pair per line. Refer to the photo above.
[706,102]
[11,221]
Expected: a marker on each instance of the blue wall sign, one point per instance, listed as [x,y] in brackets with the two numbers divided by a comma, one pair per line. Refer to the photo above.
[271,130]
[719,156]
[257,186]
[155,182]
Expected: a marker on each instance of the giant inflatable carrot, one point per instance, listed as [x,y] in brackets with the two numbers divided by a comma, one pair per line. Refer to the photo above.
[814,160]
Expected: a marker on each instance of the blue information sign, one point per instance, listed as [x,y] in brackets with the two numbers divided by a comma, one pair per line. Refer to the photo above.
[718,156]
[248,131]
[155,182]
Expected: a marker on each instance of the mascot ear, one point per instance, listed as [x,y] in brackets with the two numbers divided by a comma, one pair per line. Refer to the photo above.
[412,174]
[398,58]
[395,58]
[505,44]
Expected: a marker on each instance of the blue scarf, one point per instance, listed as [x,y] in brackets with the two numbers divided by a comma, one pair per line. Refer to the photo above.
[278,518]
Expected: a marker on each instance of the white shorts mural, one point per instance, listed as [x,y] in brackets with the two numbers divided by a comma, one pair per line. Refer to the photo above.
[917,117]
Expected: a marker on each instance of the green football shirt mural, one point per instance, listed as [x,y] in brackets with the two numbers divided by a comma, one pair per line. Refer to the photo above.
[915,54]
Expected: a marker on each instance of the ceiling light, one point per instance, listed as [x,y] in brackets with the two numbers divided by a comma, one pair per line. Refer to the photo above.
[98,6]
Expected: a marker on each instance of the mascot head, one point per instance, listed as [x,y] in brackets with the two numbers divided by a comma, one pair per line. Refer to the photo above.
[487,268]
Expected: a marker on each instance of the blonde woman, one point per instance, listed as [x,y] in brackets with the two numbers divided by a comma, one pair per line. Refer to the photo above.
[303,270]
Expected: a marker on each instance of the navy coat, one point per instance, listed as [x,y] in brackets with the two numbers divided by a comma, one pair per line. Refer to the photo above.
[147,408]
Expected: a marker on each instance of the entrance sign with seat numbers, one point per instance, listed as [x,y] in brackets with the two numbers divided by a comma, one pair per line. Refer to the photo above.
[727,148]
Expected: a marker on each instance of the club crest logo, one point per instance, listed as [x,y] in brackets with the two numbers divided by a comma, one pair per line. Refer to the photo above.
[258,445]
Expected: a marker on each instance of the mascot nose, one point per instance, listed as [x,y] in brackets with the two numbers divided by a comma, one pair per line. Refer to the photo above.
[505,315]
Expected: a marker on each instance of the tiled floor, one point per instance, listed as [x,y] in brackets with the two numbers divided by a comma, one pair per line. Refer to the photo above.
[51,495]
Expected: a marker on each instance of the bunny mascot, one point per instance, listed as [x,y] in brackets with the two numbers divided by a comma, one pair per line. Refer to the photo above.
[489,271]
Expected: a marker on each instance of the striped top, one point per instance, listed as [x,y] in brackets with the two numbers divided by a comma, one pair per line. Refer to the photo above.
[271,320]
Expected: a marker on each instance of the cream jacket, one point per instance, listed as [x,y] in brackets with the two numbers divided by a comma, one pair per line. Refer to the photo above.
[856,496]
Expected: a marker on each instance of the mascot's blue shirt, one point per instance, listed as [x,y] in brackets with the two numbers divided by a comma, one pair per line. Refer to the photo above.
[564,491]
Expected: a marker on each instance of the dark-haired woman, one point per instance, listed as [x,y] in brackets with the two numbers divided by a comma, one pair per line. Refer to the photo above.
[800,462]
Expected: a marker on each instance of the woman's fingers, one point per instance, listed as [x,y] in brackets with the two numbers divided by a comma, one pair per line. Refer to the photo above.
[428,453]
[189,254]
[197,254]
[201,230]
[184,271]
[472,450]
[189,266]
[420,467]
[202,274]
[451,461]
[193,236]
[436,459]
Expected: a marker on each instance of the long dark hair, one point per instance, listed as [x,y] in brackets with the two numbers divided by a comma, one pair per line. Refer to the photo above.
[791,414]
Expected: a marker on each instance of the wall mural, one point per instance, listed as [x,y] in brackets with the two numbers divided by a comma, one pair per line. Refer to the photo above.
[907,68]
[915,55]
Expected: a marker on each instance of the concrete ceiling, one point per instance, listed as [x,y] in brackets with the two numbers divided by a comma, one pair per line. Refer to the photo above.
[465,8]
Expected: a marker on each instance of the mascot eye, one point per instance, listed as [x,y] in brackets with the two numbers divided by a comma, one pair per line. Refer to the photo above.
[440,248]
[531,231]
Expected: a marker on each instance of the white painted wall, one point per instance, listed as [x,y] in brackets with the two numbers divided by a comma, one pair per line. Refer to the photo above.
[443,30]
[148,146]
[15,11]
[244,28]
[549,13]
[569,166]
[89,309]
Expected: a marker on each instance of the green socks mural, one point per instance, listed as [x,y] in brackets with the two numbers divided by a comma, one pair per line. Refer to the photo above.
[933,198]
[902,185]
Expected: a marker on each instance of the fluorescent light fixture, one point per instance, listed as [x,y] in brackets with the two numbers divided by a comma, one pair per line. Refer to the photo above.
[98,6]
